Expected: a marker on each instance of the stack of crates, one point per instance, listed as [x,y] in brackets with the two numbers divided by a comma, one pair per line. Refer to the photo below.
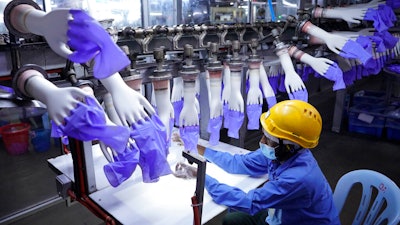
[367,113]
[392,123]
[370,114]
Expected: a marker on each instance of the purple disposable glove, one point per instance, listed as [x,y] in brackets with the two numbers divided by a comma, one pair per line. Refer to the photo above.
[334,73]
[88,39]
[225,111]
[365,42]
[178,105]
[349,76]
[271,101]
[253,116]
[190,137]
[150,136]
[235,122]
[123,167]
[214,127]
[379,45]
[387,15]
[394,4]
[388,39]
[374,15]
[299,95]
[87,122]
[353,50]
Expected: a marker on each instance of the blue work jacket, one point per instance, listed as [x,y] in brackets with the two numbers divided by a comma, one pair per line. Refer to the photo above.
[297,187]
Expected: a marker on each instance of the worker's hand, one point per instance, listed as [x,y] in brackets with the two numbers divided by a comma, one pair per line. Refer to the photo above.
[183,170]
[201,149]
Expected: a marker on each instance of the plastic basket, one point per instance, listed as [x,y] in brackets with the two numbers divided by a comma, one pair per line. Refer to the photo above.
[16,138]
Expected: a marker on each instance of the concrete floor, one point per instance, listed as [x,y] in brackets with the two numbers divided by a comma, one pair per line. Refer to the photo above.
[27,179]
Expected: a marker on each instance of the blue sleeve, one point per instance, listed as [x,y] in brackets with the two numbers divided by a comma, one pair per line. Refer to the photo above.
[273,194]
[253,163]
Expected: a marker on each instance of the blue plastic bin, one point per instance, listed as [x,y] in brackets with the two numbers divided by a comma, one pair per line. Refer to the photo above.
[41,140]
[367,119]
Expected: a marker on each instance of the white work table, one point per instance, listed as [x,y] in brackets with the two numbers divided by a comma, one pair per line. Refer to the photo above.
[167,201]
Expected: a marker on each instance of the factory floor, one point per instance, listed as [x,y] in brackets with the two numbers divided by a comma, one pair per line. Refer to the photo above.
[27,179]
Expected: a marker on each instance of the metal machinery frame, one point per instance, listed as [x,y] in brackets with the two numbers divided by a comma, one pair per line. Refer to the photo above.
[141,43]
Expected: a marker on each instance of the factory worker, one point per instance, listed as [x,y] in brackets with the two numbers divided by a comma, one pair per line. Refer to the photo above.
[297,191]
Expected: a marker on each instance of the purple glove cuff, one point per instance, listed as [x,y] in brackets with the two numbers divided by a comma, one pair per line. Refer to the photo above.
[87,122]
[271,101]
[214,128]
[225,111]
[299,95]
[274,82]
[334,73]
[190,137]
[89,39]
[235,122]
[253,116]
[178,105]
[353,50]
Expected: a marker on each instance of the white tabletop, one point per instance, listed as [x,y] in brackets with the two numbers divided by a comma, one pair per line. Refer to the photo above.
[167,201]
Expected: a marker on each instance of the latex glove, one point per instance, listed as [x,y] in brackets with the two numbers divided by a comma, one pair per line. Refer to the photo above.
[190,137]
[177,89]
[235,123]
[351,15]
[388,39]
[274,77]
[123,94]
[164,108]
[124,165]
[387,15]
[189,114]
[236,102]
[293,83]
[82,33]
[394,4]
[87,122]
[178,105]
[214,128]
[353,50]
[97,43]
[226,79]
[374,15]
[215,97]
[253,115]
[225,109]
[59,101]
[254,95]
[266,87]
[150,136]
[334,42]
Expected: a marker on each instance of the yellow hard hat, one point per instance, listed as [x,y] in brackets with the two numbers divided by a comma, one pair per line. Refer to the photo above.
[293,120]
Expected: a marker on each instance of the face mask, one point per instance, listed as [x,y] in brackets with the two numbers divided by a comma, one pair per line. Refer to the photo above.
[268,151]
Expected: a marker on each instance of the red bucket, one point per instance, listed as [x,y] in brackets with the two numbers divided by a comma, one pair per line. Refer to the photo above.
[16,138]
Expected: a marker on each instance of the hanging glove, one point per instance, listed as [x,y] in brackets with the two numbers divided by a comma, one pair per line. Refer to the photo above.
[334,73]
[374,15]
[123,167]
[379,45]
[353,50]
[388,39]
[299,95]
[394,4]
[253,116]
[89,39]
[151,138]
[87,122]
[235,122]
[225,111]
[214,127]
[190,137]
[178,105]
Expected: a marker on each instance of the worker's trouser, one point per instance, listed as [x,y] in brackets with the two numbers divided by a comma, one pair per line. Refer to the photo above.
[241,218]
